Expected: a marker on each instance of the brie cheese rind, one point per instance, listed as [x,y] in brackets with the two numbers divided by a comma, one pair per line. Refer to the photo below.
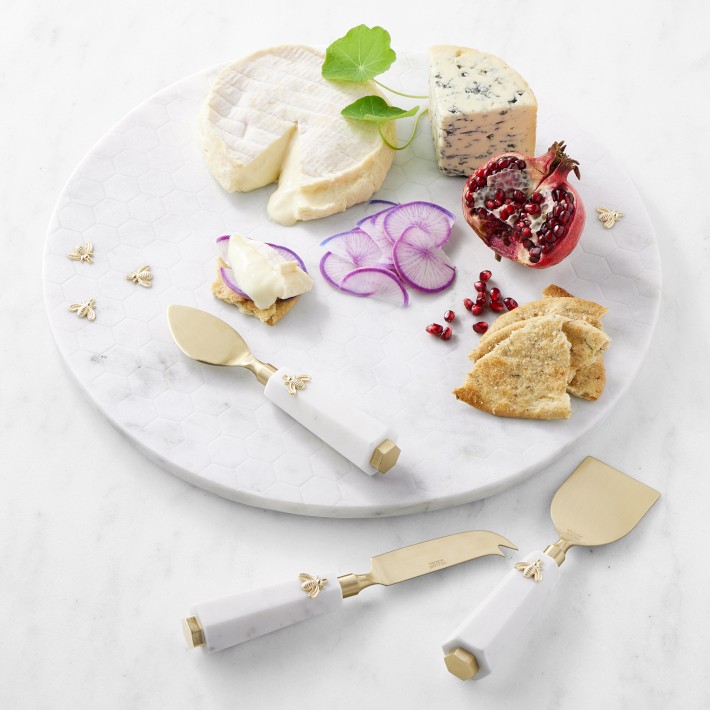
[479,108]
[272,117]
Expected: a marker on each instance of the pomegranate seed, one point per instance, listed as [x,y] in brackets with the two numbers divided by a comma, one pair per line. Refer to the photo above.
[446,335]
[497,306]
[480,181]
[521,164]
[495,294]
[519,196]
[435,329]
[537,198]
[480,327]
[525,231]
[510,303]
[485,275]
[559,231]
[467,304]
[532,208]
[499,195]
[481,299]
[480,286]
[449,316]
[490,204]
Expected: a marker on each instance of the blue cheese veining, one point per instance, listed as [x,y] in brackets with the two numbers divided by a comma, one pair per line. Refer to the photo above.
[479,107]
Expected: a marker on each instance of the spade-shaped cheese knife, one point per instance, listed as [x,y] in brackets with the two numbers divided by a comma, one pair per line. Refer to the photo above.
[220,623]
[359,437]
[596,505]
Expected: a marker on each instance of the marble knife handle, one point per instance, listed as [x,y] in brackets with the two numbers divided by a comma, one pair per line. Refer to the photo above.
[359,437]
[220,623]
[479,644]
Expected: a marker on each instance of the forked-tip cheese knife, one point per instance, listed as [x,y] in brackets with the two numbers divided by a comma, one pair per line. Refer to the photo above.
[359,437]
[596,505]
[228,621]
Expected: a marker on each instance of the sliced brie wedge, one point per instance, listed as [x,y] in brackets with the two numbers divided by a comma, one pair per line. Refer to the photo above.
[273,117]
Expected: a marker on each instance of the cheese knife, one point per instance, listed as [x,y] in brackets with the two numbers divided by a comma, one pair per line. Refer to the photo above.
[228,621]
[359,437]
[596,505]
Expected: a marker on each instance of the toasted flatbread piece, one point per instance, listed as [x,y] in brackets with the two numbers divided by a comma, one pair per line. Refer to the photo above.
[524,375]
[270,316]
[589,380]
[570,307]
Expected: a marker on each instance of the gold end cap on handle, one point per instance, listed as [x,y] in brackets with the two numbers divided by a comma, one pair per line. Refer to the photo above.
[385,456]
[192,630]
[461,663]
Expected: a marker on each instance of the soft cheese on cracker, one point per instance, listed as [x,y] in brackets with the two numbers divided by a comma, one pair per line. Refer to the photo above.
[272,117]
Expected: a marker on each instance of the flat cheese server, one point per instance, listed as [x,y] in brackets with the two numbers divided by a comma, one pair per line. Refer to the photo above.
[596,505]
[359,437]
[225,622]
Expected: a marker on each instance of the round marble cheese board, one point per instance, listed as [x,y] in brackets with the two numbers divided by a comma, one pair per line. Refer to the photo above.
[143,196]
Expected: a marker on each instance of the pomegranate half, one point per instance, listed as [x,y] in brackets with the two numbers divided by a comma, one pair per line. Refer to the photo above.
[524,209]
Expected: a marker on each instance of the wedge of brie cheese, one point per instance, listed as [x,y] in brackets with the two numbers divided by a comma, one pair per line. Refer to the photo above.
[479,108]
[273,117]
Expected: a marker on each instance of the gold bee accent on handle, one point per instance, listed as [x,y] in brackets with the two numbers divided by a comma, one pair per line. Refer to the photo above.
[141,276]
[85,309]
[609,217]
[311,585]
[296,382]
[531,569]
[83,252]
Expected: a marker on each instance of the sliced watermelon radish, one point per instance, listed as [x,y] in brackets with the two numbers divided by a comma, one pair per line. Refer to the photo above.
[432,219]
[356,246]
[334,268]
[374,227]
[378,283]
[420,264]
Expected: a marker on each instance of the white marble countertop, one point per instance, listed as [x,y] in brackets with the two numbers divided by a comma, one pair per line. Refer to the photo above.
[102,552]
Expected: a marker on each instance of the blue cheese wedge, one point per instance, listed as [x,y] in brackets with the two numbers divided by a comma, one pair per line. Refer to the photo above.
[479,107]
[272,117]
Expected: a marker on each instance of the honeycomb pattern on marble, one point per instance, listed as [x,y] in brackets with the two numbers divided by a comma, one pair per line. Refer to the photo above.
[143,196]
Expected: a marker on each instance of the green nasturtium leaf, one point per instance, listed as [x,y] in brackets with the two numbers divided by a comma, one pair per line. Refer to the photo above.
[362,54]
[375,109]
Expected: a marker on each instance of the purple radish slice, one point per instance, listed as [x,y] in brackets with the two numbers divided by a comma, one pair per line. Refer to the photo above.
[230,282]
[374,227]
[223,248]
[378,283]
[288,255]
[334,268]
[432,219]
[355,245]
[420,264]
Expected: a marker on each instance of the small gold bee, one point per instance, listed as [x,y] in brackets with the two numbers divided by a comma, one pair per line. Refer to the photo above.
[85,309]
[141,276]
[531,569]
[296,382]
[311,585]
[83,252]
[609,217]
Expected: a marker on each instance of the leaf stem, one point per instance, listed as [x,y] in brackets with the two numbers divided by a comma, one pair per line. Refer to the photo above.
[411,138]
[399,93]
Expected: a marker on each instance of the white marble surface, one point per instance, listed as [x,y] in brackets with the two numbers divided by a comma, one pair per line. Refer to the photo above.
[101,551]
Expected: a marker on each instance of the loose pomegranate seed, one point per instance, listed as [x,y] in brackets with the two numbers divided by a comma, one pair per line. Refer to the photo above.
[510,303]
[446,335]
[449,316]
[467,304]
[480,327]
[495,294]
[477,309]
[480,286]
[435,329]
[481,299]
[497,306]
[485,275]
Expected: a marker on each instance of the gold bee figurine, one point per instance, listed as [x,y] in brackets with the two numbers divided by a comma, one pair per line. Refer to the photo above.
[609,217]
[296,382]
[311,585]
[141,276]
[531,569]
[83,252]
[85,309]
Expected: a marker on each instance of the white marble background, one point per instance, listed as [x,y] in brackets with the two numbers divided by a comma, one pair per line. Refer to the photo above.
[102,552]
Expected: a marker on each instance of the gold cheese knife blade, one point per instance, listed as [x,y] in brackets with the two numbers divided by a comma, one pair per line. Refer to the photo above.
[227,621]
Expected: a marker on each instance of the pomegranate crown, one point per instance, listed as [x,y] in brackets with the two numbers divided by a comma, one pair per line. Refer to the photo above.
[561,159]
